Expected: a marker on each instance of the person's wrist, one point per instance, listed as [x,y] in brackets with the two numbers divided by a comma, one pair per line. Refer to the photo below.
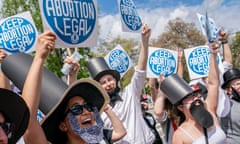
[108,107]
[180,60]
[224,41]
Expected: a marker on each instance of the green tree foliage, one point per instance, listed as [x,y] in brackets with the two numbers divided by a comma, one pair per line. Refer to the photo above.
[179,34]
[55,60]
[13,7]
[235,47]
[131,46]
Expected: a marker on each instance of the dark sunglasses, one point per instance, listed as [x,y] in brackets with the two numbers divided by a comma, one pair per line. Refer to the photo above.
[78,109]
[7,128]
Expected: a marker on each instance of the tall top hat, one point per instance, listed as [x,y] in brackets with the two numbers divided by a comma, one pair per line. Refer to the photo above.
[176,89]
[230,75]
[16,67]
[98,68]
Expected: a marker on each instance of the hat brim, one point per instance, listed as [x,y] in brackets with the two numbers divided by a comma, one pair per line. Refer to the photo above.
[226,83]
[184,97]
[114,73]
[16,110]
[90,90]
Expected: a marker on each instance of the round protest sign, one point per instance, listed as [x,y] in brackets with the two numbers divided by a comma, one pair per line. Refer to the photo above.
[72,21]
[119,60]
[17,34]
[129,15]
[162,62]
[198,60]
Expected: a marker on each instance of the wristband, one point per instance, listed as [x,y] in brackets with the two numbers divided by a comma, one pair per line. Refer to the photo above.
[224,41]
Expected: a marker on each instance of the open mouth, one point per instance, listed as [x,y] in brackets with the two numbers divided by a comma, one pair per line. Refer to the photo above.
[87,122]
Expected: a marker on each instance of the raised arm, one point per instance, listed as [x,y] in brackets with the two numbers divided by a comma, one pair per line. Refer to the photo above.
[180,63]
[153,89]
[72,75]
[159,104]
[142,60]
[227,54]
[213,80]
[4,81]
[32,87]
[119,130]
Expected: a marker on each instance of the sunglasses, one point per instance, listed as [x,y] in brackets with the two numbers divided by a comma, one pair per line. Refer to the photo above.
[7,128]
[78,109]
[194,95]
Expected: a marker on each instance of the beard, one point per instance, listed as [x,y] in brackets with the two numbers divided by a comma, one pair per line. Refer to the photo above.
[114,96]
[236,95]
[200,114]
[92,134]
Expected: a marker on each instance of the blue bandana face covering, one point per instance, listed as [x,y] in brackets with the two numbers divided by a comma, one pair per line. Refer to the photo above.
[92,134]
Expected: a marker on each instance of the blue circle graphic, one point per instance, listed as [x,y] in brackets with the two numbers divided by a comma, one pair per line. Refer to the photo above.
[198,60]
[162,62]
[119,61]
[17,34]
[129,15]
[72,21]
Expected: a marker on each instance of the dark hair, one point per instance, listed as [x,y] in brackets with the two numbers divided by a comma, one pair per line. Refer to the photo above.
[179,114]
[6,118]
[173,112]
[156,83]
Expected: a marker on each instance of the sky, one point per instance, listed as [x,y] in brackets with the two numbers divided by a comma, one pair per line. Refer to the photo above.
[157,13]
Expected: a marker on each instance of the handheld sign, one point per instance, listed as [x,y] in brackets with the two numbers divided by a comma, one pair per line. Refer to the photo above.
[18,33]
[118,60]
[130,20]
[73,22]
[161,61]
[197,60]
[208,30]
[208,27]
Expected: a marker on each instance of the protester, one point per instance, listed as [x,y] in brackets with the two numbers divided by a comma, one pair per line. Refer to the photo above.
[75,118]
[14,117]
[230,124]
[163,109]
[5,84]
[150,119]
[223,100]
[126,104]
[199,121]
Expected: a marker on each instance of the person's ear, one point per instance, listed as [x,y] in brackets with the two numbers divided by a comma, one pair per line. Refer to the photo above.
[62,126]
[119,84]
[180,107]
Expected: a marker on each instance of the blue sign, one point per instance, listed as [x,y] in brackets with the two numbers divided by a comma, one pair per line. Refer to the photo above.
[119,61]
[17,34]
[212,26]
[72,21]
[40,115]
[129,15]
[162,62]
[198,60]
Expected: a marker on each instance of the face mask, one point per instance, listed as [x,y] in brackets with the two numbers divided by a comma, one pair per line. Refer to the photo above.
[200,114]
[92,134]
